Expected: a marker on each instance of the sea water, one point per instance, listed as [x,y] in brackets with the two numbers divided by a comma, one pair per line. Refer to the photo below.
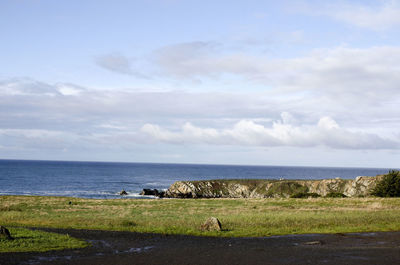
[105,179]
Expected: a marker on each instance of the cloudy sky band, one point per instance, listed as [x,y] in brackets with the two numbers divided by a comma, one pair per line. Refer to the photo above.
[300,82]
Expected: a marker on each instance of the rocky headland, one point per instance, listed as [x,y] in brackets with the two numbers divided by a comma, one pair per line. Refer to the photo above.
[263,188]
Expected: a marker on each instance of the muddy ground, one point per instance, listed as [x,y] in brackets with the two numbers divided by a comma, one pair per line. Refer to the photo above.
[135,248]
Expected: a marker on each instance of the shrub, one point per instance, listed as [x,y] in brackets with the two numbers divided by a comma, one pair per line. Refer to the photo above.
[284,188]
[389,186]
[335,195]
[305,195]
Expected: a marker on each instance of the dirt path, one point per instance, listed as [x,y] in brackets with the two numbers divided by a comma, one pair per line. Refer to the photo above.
[134,248]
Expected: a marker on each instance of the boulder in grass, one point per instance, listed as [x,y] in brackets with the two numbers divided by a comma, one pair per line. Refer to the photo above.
[211,224]
[4,233]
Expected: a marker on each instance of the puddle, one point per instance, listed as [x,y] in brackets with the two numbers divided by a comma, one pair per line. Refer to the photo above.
[138,250]
[134,250]
[363,234]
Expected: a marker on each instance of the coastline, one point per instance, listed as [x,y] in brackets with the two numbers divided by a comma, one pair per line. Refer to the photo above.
[266,188]
[105,180]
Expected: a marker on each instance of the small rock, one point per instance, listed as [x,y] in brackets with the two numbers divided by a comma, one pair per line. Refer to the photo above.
[4,233]
[123,192]
[211,224]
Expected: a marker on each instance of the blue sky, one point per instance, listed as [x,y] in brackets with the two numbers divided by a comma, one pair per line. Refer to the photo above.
[311,83]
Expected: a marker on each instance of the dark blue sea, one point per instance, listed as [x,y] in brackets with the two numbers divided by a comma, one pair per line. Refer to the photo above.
[105,180]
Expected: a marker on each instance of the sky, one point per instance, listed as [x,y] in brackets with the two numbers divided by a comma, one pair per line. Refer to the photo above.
[297,83]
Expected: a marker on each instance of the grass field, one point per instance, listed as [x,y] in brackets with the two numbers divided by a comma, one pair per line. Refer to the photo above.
[239,217]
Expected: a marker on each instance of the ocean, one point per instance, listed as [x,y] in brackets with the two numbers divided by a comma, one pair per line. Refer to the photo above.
[104,180]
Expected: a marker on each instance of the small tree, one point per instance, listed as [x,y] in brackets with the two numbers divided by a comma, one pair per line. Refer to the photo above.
[389,186]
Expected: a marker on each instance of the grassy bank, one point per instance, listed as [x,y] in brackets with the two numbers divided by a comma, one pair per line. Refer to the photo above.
[38,241]
[239,217]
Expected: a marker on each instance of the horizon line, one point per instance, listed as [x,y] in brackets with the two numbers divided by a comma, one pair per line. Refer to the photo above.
[189,163]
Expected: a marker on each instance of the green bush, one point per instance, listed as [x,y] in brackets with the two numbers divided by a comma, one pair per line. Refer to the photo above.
[284,188]
[335,195]
[305,195]
[389,186]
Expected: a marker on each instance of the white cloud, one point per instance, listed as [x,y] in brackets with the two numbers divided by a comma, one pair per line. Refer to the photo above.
[350,76]
[353,75]
[121,64]
[69,89]
[196,59]
[112,126]
[39,139]
[32,133]
[246,132]
[374,17]
[30,87]
[115,62]
[26,87]
[41,116]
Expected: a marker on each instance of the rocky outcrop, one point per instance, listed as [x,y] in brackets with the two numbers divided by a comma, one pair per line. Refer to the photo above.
[152,192]
[241,188]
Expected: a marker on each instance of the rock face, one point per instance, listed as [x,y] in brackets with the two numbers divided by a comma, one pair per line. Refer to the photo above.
[211,224]
[4,233]
[261,188]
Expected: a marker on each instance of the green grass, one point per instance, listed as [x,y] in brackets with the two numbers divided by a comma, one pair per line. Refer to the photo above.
[239,217]
[38,241]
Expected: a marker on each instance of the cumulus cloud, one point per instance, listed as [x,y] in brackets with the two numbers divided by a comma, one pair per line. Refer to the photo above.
[43,116]
[246,132]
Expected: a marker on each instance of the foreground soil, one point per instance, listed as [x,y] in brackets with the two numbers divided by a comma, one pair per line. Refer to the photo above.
[134,248]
